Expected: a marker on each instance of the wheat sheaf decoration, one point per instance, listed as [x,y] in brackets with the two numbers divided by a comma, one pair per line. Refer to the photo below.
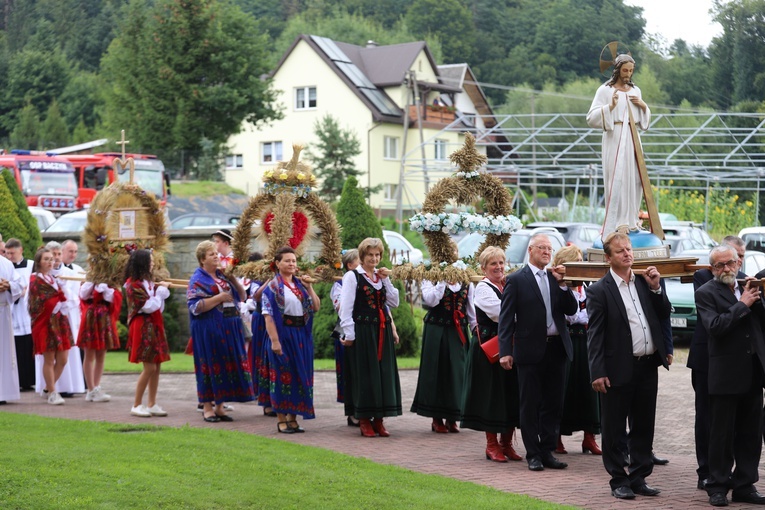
[286,208]
[468,185]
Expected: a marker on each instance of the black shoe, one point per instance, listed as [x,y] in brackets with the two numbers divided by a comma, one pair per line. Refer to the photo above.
[352,423]
[645,490]
[718,499]
[702,485]
[753,498]
[286,429]
[3,402]
[551,462]
[658,461]
[271,413]
[224,417]
[212,419]
[623,493]
[535,464]
[296,428]
[66,394]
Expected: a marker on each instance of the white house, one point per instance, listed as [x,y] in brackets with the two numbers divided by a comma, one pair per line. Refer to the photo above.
[393,97]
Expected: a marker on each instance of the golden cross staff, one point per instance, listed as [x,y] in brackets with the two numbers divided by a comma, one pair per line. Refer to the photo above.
[123,161]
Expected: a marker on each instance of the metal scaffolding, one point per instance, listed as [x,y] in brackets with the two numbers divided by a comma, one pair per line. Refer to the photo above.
[694,150]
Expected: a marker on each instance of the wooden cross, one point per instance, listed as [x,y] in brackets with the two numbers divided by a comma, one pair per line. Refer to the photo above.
[123,161]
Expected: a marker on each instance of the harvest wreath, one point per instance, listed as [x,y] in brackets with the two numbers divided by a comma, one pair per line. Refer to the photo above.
[284,207]
[465,187]
[105,235]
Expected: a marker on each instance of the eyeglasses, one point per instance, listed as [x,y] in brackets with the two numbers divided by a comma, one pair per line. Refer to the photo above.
[543,248]
[731,264]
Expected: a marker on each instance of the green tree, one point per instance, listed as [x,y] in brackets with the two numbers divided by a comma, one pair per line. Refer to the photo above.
[207,166]
[53,132]
[81,100]
[357,219]
[332,156]
[183,70]
[15,218]
[80,134]
[450,20]
[26,134]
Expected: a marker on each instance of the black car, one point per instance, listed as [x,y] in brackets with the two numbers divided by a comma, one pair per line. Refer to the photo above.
[207,219]
[580,234]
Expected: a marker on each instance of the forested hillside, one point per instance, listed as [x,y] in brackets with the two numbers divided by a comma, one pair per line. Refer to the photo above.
[181,75]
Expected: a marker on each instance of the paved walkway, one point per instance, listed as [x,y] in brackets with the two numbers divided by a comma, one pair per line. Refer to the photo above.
[413,446]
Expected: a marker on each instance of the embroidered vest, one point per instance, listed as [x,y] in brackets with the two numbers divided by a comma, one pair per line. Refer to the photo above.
[487,328]
[443,313]
[368,302]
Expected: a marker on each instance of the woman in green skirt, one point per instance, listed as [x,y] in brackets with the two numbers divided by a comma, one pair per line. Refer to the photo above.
[372,387]
[445,342]
[491,401]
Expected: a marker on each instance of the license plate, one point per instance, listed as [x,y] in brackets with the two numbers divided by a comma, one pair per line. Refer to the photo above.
[678,322]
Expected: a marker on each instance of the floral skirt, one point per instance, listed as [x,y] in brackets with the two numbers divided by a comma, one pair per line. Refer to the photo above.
[220,361]
[290,375]
[146,339]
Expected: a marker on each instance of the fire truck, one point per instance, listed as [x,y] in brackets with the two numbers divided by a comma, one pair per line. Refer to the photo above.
[46,181]
[94,172]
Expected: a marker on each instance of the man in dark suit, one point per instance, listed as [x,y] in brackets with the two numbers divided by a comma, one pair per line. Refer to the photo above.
[534,338]
[733,316]
[698,362]
[625,346]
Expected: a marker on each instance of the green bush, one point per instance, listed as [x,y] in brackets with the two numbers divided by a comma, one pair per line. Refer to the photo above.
[15,218]
[403,316]
[122,331]
[323,323]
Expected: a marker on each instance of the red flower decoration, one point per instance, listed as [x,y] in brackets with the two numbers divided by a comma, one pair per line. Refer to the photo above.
[299,227]
[286,378]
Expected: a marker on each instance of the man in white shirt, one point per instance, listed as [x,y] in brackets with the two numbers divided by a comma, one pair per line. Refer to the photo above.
[11,289]
[625,347]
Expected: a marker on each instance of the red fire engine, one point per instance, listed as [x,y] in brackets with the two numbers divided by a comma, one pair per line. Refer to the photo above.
[46,181]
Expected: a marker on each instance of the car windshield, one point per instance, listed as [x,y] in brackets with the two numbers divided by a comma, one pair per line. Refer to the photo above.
[69,223]
[149,180]
[41,182]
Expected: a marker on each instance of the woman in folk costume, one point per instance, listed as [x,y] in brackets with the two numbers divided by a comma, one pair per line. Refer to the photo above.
[100,306]
[11,289]
[581,408]
[372,386]
[491,399]
[220,360]
[257,353]
[146,329]
[288,308]
[51,332]
[350,260]
[445,342]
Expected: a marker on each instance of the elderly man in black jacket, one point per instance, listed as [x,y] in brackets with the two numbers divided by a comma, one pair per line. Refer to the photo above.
[733,314]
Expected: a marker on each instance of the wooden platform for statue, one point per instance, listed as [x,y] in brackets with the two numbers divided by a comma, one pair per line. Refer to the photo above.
[677,267]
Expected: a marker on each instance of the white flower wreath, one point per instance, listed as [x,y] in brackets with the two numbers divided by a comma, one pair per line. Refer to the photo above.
[455,223]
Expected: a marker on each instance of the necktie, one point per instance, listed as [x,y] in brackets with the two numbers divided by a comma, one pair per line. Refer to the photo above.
[544,287]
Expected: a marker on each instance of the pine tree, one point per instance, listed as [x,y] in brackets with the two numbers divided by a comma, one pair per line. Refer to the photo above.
[15,218]
[357,219]
[53,132]
[332,156]
[81,134]
[207,165]
[26,134]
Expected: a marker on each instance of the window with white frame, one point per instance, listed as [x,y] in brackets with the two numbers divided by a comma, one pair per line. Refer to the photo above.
[390,151]
[440,149]
[270,152]
[391,191]
[305,98]
[234,162]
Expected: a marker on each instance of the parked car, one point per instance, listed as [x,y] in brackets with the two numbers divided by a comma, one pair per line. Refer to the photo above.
[70,222]
[579,234]
[44,217]
[688,229]
[402,248]
[681,295]
[517,253]
[754,237]
[678,246]
[207,219]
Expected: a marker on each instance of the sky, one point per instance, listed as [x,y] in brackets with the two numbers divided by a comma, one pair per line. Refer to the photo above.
[679,19]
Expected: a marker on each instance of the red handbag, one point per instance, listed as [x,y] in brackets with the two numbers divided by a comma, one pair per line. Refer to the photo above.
[491,349]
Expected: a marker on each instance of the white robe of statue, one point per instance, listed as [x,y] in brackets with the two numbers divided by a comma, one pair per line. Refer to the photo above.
[72,379]
[9,373]
[623,192]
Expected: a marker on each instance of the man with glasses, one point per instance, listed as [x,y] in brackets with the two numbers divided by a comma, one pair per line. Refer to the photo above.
[698,362]
[732,313]
[625,347]
[534,339]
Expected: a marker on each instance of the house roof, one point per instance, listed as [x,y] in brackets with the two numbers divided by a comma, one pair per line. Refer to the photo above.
[462,77]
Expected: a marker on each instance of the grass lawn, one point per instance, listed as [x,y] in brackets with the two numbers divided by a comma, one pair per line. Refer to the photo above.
[117,362]
[203,189]
[62,464]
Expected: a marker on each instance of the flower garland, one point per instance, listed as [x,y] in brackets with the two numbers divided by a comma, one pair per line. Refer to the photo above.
[456,223]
